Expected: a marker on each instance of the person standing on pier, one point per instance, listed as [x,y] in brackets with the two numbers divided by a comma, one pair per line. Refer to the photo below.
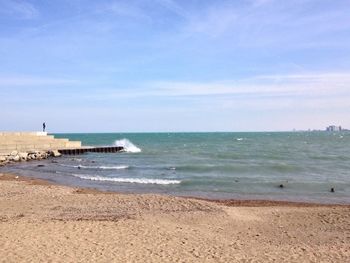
[44,126]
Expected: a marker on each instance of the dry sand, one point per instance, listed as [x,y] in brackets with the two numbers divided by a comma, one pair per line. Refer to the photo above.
[40,222]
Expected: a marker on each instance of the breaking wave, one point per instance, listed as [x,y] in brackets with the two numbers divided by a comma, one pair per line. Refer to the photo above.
[127,145]
[127,180]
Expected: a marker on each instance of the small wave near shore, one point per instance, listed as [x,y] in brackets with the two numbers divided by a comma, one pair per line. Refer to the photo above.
[127,180]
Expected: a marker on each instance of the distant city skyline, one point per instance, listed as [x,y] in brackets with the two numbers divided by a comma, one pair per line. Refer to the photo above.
[166,65]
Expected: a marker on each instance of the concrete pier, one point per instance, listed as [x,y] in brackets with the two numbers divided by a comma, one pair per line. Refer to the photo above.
[41,141]
[81,150]
[33,141]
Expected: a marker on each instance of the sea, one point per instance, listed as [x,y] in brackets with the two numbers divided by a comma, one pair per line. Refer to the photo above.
[288,166]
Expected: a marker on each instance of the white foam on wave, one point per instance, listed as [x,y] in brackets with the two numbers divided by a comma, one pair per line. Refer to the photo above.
[127,145]
[118,167]
[239,139]
[127,180]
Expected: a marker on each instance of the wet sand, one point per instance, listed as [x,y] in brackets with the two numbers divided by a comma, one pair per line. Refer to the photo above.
[43,222]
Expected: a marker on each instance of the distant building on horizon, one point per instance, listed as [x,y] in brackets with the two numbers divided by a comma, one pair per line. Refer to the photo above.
[333,128]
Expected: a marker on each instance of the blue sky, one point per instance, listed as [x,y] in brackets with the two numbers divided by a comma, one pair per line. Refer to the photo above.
[167,65]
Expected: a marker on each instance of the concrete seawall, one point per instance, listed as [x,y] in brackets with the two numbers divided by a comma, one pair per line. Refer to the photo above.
[33,141]
[25,146]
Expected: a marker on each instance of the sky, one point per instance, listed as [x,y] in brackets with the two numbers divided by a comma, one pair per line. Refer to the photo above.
[174,65]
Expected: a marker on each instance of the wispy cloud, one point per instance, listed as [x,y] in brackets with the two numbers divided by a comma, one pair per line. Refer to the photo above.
[33,81]
[174,7]
[18,9]
[268,23]
[267,85]
[269,91]
[126,10]
[259,3]
[214,23]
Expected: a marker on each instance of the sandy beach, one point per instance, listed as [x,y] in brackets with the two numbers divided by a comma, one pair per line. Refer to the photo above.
[41,222]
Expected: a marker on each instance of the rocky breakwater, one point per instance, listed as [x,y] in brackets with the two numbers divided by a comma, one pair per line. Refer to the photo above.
[16,156]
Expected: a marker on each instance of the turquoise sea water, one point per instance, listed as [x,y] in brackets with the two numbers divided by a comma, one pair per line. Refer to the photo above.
[212,165]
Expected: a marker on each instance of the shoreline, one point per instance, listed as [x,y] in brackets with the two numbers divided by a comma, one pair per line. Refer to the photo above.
[225,202]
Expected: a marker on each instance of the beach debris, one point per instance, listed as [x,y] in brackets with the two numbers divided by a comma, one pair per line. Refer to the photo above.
[16,177]
[40,165]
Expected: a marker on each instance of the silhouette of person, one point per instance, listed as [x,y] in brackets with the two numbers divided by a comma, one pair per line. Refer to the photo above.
[44,127]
